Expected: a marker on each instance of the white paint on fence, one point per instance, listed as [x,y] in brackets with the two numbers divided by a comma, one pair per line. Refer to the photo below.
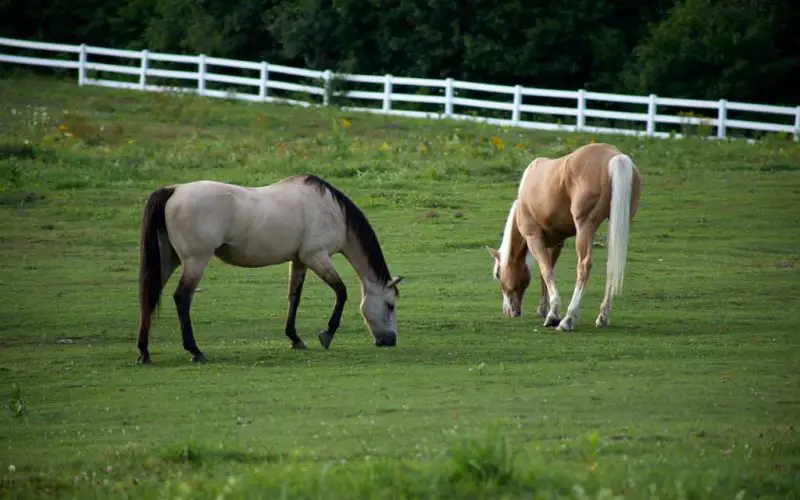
[445,93]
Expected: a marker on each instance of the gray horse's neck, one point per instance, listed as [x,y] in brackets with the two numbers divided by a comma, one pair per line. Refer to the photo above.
[358,259]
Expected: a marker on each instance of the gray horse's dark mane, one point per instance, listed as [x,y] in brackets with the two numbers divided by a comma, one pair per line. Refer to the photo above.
[358,225]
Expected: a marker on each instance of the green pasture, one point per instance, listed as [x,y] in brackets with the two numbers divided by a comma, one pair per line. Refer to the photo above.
[692,392]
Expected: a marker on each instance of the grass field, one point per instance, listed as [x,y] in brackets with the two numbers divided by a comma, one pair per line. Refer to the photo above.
[693,392]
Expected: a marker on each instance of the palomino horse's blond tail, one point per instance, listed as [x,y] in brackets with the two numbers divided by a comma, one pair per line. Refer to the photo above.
[620,169]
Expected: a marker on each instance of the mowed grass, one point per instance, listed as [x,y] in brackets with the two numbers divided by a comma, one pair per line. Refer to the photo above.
[692,392]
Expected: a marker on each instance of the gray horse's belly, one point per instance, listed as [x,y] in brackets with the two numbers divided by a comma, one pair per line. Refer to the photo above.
[241,257]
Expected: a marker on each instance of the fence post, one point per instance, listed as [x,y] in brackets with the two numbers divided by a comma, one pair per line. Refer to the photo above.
[722,115]
[448,97]
[651,115]
[326,97]
[201,74]
[517,104]
[82,65]
[387,94]
[581,121]
[143,70]
[797,124]
[262,88]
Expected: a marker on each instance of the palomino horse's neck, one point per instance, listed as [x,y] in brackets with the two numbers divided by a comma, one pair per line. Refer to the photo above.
[513,246]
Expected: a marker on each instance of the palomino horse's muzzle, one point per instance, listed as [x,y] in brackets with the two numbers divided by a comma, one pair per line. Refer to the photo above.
[512,306]
[387,340]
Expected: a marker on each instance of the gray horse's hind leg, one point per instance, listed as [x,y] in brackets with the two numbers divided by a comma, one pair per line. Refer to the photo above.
[321,264]
[169,262]
[297,276]
[190,277]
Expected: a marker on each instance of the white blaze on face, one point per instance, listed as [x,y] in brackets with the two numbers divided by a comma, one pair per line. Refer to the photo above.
[506,303]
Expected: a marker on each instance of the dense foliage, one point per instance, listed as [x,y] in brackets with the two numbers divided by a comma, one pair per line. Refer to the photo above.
[734,49]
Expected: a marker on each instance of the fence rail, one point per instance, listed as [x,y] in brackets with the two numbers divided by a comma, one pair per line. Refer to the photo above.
[504,105]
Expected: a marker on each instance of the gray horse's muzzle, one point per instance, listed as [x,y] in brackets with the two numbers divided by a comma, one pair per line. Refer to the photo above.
[386,340]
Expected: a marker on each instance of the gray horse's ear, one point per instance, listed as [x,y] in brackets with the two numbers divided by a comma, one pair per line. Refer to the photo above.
[394,282]
[494,253]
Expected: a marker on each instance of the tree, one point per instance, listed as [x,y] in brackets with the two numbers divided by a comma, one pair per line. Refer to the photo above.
[745,50]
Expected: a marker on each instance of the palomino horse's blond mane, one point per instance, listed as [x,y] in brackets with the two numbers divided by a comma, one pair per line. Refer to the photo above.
[557,199]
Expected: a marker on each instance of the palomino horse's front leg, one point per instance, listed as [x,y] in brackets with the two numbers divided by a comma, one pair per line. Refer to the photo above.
[297,276]
[583,247]
[544,307]
[543,258]
[321,264]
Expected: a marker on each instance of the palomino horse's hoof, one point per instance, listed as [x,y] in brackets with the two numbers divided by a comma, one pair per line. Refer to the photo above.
[565,325]
[551,321]
[198,358]
[601,322]
[143,360]
[299,345]
[325,338]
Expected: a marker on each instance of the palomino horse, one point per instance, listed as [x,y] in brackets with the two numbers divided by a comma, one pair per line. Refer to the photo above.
[302,219]
[559,198]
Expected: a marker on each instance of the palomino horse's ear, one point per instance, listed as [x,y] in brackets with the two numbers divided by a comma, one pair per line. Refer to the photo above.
[494,253]
[394,282]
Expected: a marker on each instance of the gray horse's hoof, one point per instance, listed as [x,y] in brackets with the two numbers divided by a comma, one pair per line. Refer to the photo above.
[299,345]
[601,322]
[198,358]
[325,338]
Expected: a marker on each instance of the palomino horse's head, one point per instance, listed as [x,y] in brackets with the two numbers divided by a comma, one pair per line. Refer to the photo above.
[377,308]
[514,278]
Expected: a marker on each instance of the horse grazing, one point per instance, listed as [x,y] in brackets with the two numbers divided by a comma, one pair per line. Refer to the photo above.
[302,219]
[559,198]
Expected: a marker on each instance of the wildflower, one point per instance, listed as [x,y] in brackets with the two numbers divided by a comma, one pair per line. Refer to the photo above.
[520,146]
[12,468]
[498,143]
[385,147]
[345,123]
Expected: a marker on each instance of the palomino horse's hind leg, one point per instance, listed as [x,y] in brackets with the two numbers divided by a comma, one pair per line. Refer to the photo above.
[297,275]
[544,307]
[543,258]
[321,264]
[190,278]
[583,248]
[605,309]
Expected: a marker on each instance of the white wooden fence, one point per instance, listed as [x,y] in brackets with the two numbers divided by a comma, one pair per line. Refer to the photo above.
[504,105]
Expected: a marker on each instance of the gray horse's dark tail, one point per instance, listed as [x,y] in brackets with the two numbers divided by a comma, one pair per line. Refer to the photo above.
[150,268]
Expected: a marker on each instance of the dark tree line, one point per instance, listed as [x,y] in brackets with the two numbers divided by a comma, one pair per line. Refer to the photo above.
[747,50]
